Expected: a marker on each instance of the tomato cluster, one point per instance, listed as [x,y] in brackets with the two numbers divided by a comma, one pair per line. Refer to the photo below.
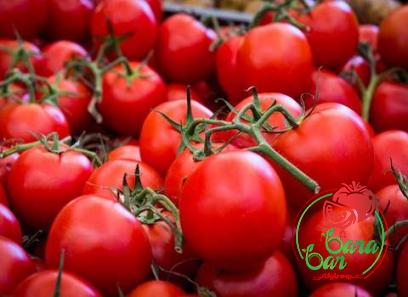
[123,174]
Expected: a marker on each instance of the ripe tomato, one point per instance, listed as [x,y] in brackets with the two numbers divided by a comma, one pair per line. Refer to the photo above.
[368,33]
[340,290]
[127,101]
[60,24]
[333,88]
[317,153]
[389,108]
[25,121]
[393,39]
[388,146]
[274,277]
[131,17]
[5,167]
[157,8]
[9,225]
[178,91]
[15,265]
[7,49]
[74,104]
[183,49]
[263,55]
[226,206]
[57,54]
[156,288]
[109,177]
[227,68]
[360,66]
[332,34]
[3,196]
[103,243]
[276,120]
[125,152]
[42,284]
[159,142]
[402,271]
[36,195]
[26,16]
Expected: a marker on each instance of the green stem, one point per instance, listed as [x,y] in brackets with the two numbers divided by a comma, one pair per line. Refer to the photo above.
[368,95]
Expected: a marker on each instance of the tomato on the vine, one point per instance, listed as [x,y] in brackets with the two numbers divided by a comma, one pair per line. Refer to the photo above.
[340,290]
[402,271]
[156,288]
[125,152]
[368,33]
[9,225]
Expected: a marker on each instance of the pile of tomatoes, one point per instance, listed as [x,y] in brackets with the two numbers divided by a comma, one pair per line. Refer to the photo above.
[123,174]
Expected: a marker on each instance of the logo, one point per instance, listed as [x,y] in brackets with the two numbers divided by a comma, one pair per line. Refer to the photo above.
[341,234]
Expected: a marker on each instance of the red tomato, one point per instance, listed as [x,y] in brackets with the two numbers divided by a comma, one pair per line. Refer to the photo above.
[39,185]
[5,167]
[388,146]
[263,55]
[333,88]
[103,243]
[317,147]
[360,66]
[57,54]
[275,277]
[340,290]
[276,120]
[227,68]
[9,225]
[42,284]
[178,91]
[156,288]
[7,46]
[402,270]
[183,49]
[106,179]
[74,104]
[125,152]
[25,121]
[389,108]
[131,17]
[395,208]
[393,38]
[332,34]
[226,206]
[368,33]
[313,228]
[69,19]
[127,101]
[15,265]
[3,196]
[157,8]
[159,142]
[26,16]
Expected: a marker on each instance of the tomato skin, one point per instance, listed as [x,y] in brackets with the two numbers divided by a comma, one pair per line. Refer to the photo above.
[9,225]
[368,33]
[183,49]
[19,121]
[3,196]
[316,154]
[393,39]
[159,142]
[388,146]
[276,120]
[262,60]
[5,167]
[248,198]
[127,16]
[125,152]
[15,265]
[6,59]
[125,104]
[156,288]
[402,270]
[60,15]
[340,290]
[389,108]
[26,16]
[42,284]
[109,177]
[36,196]
[179,91]
[157,8]
[57,54]
[333,88]
[227,68]
[274,277]
[103,243]
[360,66]
[333,34]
